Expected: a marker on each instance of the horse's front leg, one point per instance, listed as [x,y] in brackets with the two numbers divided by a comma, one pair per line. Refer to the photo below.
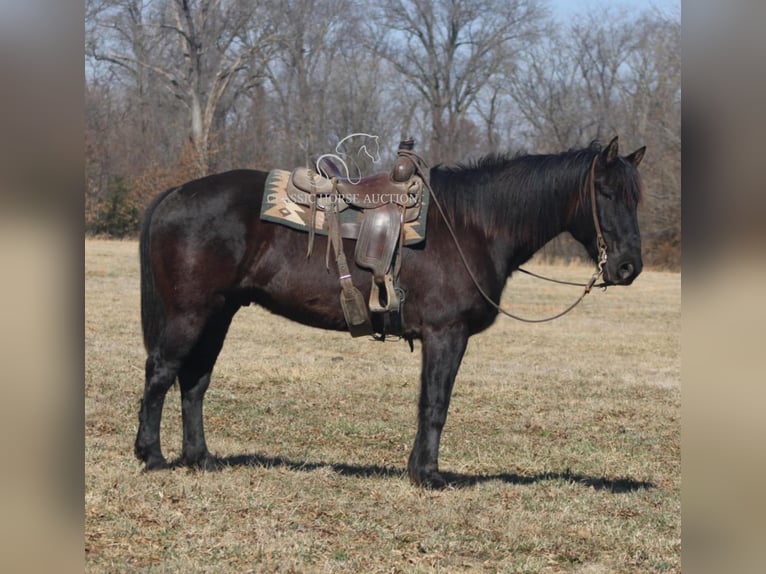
[442,352]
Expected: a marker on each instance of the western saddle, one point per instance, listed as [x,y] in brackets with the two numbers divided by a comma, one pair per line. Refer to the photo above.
[386,201]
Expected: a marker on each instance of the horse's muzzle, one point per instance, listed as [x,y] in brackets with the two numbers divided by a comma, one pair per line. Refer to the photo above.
[623,273]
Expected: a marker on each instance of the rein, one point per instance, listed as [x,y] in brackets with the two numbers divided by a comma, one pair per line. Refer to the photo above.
[422,167]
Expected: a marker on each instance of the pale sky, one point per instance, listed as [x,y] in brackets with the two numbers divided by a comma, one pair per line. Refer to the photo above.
[567,9]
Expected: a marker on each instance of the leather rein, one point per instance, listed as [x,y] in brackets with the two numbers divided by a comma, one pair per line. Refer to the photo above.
[602,256]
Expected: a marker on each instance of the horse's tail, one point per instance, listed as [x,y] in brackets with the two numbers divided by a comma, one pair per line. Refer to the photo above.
[152,309]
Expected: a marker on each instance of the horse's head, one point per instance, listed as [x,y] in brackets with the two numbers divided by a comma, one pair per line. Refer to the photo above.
[617,193]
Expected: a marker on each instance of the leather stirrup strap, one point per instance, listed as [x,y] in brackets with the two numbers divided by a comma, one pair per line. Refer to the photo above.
[313,217]
[312,225]
[334,237]
[351,300]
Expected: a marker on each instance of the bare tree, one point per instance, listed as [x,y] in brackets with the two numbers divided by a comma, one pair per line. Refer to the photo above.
[361,99]
[569,85]
[196,48]
[602,44]
[548,95]
[323,80]
[449,51]
[176,88]
[613,74]
[652,104]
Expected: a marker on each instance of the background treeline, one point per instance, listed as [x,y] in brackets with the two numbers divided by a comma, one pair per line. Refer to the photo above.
[176,89]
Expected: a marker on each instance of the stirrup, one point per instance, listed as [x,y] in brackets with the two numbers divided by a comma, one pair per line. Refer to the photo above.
[391,294]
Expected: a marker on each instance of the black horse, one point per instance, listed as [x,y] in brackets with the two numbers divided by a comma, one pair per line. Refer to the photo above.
[205,253]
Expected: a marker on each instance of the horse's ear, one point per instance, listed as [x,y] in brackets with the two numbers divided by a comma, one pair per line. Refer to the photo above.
[611,151]
[636,157]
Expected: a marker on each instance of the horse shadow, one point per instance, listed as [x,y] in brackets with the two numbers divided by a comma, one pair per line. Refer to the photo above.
[454,479]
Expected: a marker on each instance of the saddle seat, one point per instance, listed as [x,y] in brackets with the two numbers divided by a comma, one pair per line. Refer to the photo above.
[385,201]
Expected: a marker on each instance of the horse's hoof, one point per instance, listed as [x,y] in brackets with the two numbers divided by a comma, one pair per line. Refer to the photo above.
[156,463]
[431,480]
[207,463]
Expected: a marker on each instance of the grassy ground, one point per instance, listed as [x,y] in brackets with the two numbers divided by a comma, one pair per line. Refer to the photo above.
[563,442]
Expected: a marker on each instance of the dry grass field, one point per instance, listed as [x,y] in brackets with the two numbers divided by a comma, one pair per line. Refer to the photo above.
[562,442]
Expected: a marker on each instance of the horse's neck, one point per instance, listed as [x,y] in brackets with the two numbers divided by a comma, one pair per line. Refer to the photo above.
[535,224]
[513,233]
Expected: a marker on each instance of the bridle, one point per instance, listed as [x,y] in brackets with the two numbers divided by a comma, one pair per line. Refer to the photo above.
[590,183]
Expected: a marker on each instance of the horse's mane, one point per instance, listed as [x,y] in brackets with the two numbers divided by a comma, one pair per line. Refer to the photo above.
[520,190]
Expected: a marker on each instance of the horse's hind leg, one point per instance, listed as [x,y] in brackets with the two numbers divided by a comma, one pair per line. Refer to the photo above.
[160,376]
[194,379]
[162,367]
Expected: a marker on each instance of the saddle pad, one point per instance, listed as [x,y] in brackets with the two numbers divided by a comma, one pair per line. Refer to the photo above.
[277,207]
